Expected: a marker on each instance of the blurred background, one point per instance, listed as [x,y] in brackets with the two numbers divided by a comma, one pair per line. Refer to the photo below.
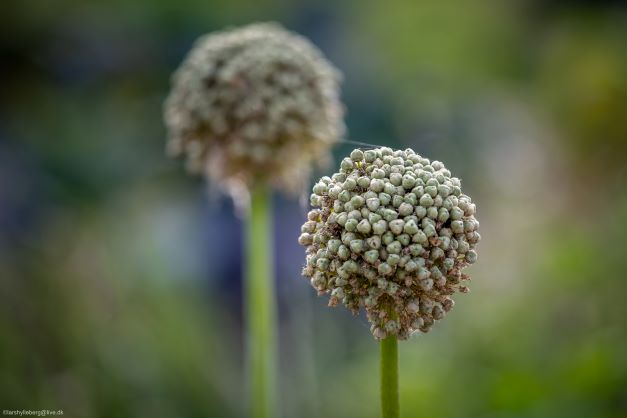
[120,275]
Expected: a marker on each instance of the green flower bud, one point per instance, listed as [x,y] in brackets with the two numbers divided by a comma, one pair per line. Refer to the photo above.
[371,256]
[463,246]
[432,212]
[305,239]
[343,252]
[323,264]
[374,242]
[411,199]
[344,196]
[385,199]
[423,273]
[389,188]
[376,185]
[393,259]
[429,230]
[320,189]
[437,253]
[318,281]
[410,228]
[373,203]
[394,247]
[354,214]
[411,266]
[420,212]
[426,200]
[443,215]
[370,156]
[416,249]
[419,237]
[405,209]
[357,201]
[404,239]
[363,182]
[357,155]
[431,190]
[333,245]
[385,269]
[379,227]
[351,225]
[472,208]
[389,215]
[338,292]
[378,174]
[309,226]
[347,237]
[396,179]
[396,226]
[419,190]
[456,213]
[408,182]
[444,190]
[364,226]
[357,246]
[448,264]
[457,227]
[338,177]
[387,238]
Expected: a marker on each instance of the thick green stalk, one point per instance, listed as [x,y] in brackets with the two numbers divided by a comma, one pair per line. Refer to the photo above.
[389,377]
[260,306]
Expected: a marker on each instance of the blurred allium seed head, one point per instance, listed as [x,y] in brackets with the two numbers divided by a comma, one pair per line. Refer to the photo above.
[390,232]
[254,104]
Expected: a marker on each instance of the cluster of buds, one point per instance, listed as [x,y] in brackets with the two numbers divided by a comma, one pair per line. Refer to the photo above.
[254,104]
[390,232]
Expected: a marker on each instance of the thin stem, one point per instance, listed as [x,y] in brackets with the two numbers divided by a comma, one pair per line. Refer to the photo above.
[260,306]
[389,377]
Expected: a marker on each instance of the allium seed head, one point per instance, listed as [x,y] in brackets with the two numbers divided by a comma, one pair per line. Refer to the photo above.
[254,104]
[395,244]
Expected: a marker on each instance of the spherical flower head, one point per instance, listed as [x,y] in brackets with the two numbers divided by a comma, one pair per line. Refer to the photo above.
[254,104]
[390,232]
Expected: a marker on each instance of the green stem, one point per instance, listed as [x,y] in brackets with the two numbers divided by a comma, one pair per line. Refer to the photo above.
[389,378]
[260,306]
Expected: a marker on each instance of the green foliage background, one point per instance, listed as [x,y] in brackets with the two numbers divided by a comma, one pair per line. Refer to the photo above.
[119,280]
